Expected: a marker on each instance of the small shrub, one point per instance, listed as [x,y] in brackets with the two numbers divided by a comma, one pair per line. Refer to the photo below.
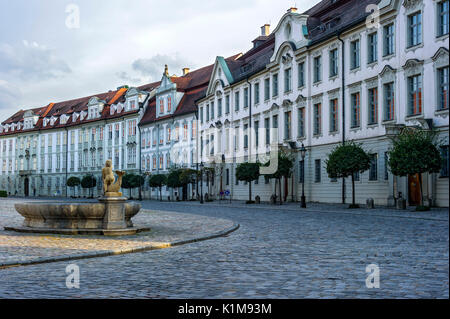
[353,206]
[3,194]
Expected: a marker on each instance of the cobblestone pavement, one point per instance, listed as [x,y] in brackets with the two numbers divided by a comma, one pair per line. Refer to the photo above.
[166,228]
[278,252]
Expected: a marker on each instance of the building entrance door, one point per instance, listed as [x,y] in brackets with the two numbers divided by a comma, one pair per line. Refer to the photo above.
[413,190]
[25,185]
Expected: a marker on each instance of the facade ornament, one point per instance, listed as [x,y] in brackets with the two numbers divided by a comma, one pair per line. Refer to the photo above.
[166,70]
[111,186]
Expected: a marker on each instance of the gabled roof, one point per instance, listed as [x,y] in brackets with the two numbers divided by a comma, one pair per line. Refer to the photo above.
[193,85]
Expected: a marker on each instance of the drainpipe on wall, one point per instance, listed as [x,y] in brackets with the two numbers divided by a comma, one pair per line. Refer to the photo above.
[343,104]
[67,154]
[140,163]
[249,137]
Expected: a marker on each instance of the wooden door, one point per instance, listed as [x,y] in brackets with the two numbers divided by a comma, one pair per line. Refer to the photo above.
[414,190]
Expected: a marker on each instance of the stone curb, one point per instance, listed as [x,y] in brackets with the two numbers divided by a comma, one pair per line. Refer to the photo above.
[43,260]
[317,211]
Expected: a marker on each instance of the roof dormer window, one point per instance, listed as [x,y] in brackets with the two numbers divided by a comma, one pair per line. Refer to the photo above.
[93,112]
[161,106]
[132,105]
[169,104]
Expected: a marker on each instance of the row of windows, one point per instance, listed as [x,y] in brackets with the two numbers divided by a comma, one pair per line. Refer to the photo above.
[171,135]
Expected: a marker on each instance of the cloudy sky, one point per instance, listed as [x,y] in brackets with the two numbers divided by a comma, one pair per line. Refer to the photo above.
[54,50]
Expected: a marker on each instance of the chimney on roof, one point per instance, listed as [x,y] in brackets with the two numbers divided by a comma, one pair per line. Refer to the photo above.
[265,30]
[292,10]
[185,71]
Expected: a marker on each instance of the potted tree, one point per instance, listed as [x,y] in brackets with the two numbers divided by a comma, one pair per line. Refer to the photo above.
[248,172]
[414,152]
[346,160]
[158,180]
[73,182]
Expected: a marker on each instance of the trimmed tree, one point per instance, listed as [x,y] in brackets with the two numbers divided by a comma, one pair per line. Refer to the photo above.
[88,182]
[346,160]
[284,169]
[414,152]
[73,182]
[158,180]
[173,179]
[248,172]
[130,181]
[187,176]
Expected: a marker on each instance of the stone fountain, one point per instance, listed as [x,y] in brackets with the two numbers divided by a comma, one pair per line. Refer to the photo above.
[110,216]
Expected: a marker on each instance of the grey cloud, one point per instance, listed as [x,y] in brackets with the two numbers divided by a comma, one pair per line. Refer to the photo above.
[31,61]
[124,76]
[153,67]
[9,98]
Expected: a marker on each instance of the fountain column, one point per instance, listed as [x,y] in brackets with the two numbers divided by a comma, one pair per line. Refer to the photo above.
[114,212]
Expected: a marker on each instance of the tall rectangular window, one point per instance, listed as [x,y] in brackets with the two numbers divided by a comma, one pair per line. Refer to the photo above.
[372,47]
[415,29]
[287,125]
[256,93]
[333,62]
[373,106]
[386,166]
[275,128]
[301,122]
[207,112]
[267,130]
[443,13]
[246,98]
[388,39]
[266,89]
[256,133]
[373,169]
[201,115]
[236,101]
[245,136]
[443,88]
[317,171]
[301,74]
[227,104]
[445,161]
[334,115]
[355,54]
[275,85]
[389,101]
[317,69]
[287,80]
[355,110]
[415,95]
[212,110]
[317,129]
[301,171]
[219,107]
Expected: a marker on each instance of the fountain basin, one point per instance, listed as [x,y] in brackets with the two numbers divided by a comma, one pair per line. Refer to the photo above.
[74,218]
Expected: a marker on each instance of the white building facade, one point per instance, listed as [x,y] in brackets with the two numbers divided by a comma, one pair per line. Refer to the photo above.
[395,67]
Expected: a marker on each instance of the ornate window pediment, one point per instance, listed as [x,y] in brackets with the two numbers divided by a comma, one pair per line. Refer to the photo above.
[413,66]
[441,57]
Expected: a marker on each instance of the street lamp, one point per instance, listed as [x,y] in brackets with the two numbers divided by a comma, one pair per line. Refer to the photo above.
[201,182]
[303,154]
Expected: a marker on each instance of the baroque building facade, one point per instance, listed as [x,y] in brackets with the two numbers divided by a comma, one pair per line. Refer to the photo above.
[41,148]
[343,70]
[333,74]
